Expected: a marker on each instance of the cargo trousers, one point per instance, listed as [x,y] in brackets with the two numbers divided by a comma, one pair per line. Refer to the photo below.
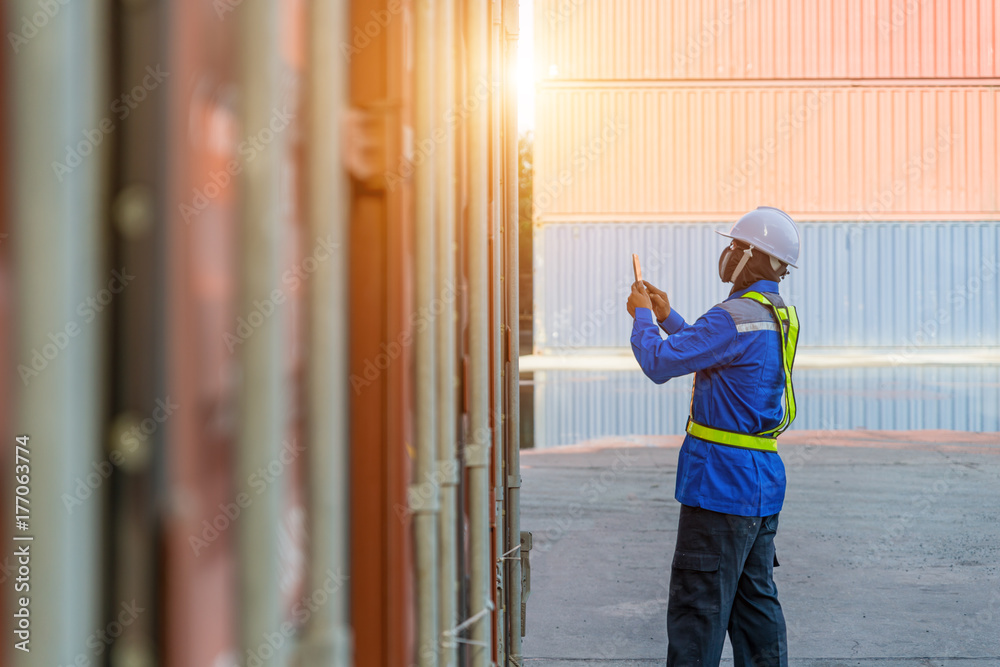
[722,580]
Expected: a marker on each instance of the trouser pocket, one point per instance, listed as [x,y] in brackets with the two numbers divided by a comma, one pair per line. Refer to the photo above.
[694,581]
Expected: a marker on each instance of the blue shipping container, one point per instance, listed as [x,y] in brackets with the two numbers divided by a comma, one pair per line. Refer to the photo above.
[574,406]
[890,286]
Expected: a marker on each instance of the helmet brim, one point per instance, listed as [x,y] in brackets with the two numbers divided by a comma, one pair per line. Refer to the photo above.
[730,236]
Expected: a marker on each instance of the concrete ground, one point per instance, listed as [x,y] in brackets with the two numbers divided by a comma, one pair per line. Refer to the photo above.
[888,543]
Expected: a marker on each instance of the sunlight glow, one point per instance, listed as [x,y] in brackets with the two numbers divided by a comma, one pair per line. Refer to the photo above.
[526,75]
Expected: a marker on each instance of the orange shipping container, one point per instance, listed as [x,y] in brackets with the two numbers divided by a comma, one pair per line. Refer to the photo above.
[663,152]
[773,39]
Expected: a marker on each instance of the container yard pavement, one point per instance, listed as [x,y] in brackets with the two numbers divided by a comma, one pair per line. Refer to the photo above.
[888,543]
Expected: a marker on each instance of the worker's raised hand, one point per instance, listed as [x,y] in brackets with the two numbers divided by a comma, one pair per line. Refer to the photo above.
[661,304]
[638,299]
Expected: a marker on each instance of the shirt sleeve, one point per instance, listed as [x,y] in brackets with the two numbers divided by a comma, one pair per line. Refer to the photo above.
[673,322]
[706,343]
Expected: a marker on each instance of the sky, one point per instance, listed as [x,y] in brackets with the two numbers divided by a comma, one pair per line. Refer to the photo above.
[525,68]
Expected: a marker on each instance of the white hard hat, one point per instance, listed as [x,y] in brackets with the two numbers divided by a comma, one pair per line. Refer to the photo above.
[770,230]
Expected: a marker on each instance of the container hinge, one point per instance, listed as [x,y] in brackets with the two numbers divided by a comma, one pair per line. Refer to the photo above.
[525,575]
[364,144]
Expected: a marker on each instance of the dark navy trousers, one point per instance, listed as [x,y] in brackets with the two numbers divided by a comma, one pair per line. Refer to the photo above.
[721,580]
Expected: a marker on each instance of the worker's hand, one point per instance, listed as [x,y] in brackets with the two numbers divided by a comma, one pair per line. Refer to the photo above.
[638,299]
[661,304]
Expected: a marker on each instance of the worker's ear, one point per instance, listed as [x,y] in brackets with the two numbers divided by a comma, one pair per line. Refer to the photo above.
[779,267]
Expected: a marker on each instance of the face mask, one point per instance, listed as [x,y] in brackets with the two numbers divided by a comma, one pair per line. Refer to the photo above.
[729,257]
[724,267]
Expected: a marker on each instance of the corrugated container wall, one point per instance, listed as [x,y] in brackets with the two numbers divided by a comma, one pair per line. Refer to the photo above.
[576,406]
[629,152]
[767,39]
[874,122]
[654,110]
[901,287]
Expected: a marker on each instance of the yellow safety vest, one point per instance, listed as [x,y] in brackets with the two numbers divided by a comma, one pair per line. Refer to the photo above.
[788,328]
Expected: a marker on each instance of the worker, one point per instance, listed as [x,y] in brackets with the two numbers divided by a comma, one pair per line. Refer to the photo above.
[730,479]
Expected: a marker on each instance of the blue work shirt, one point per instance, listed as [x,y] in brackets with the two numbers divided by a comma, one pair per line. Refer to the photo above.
[734,350]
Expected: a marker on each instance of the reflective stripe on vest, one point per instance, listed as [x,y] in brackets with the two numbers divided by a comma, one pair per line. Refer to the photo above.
[732,438]
[788,327]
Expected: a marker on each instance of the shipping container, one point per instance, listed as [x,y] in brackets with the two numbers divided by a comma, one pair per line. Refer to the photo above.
[638,40]
[319,203]
[902,287]
[55,259]
[573,406]
[625,152]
